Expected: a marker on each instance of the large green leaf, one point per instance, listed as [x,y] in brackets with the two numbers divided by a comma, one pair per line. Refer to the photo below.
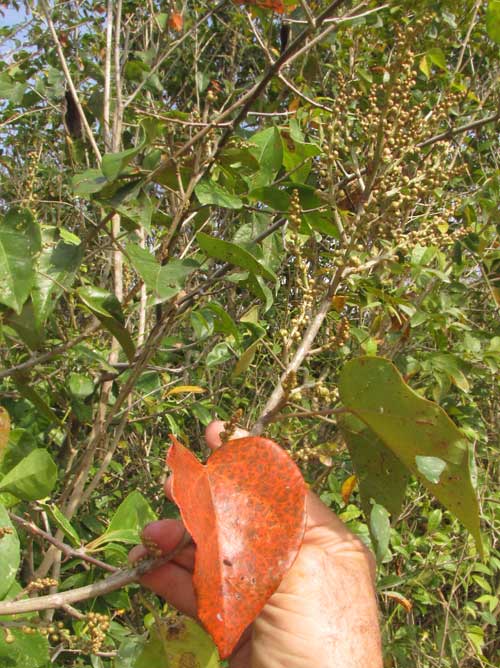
[234,254]
[179,642]
[55,272]
[209,192]
[10,553]
[413,427]
[272,196]
[493,20]
[20,242]
[27,391]
[267,149]
[114,163]
[381,476]
[21,443]
[88,182]
[166,280]
[24,651]
[33,478]
[297,158]
[10,89]
[126,525]
[26,327]
[108,310]
[80,385]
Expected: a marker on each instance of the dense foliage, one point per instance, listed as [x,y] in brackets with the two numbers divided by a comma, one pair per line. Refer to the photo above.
[209,209]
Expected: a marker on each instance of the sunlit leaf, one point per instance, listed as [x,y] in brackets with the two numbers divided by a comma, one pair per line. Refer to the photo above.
[33,478]
[20,243]
[10,553]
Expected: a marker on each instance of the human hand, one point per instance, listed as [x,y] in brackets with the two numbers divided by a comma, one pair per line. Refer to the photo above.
[323,614]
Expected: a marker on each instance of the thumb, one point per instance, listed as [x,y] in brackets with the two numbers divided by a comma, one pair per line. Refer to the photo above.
[214,430]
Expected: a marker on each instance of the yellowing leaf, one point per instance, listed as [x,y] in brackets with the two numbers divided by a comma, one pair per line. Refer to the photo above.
[347,488]
[399,598]
[180,389]
[338,302]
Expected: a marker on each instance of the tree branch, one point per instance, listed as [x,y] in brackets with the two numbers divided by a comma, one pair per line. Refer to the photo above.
[102,587]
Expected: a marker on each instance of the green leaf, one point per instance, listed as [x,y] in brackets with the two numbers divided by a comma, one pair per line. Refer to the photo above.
[272,196]
[88,182]
[380,474]
[437,57]
[10,554]
[434,520]
[219,354]
[449,365]
[10,89]
[373,389]
[25,651]
[139,211]
[493,20]
[179,642]
[62,523]
[26,327]
[55,272]
[234,254]
[267,149]
[108,310]
[297,158]
[223,322]
[29,393]
[33,478]
[113,163]
[80,386]
[165,281]
[245,359]
[127,523]
[69,238]
[20,242]
[380,530]
[21,443]
[209,192]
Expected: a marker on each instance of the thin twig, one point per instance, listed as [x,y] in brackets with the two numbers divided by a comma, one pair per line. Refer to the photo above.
[55,352]
[116,581]
[63,547]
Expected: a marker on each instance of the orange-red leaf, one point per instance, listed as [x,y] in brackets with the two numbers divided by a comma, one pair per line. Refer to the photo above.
[176,21]
[275,5]
[245,510]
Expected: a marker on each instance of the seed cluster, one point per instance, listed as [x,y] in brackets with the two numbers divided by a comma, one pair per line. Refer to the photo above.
[41,583]
[57,633]
[98,625]
[5,531]
[393,200]
[32,163]
[230,426]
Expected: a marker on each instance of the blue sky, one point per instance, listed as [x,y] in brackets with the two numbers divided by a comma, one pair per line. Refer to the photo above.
[11,16]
